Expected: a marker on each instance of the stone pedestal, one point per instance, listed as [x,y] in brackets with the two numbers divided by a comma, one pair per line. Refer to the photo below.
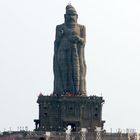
[57,112]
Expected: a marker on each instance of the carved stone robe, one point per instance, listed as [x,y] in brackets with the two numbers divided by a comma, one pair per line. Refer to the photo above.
[69,62]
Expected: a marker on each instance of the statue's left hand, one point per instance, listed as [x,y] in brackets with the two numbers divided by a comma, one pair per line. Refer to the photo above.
[76,39]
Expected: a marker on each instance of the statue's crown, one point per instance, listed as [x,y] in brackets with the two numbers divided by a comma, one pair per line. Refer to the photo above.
[70,9]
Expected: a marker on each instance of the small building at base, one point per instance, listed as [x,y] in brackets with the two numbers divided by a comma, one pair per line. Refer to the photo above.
[58,112]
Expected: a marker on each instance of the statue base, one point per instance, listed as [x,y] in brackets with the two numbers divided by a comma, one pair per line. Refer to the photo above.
[56,113]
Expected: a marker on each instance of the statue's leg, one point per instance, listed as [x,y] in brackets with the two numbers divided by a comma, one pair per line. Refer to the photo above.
[70,87]
[63,69]
[56,76]
[75,69]
[82,87]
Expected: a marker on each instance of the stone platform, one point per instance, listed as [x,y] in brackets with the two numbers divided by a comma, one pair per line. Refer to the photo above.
[58,112]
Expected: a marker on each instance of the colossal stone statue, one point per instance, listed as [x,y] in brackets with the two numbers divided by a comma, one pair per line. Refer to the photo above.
[69,63]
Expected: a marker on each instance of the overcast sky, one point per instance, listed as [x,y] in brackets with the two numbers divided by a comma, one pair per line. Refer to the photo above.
[27,32]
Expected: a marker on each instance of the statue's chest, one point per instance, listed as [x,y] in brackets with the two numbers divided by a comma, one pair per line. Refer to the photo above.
[72,31]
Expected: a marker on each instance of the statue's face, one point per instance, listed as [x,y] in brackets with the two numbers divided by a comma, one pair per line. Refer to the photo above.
[71,18]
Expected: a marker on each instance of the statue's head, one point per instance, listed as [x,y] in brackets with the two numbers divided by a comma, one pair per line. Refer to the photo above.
[71,15]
